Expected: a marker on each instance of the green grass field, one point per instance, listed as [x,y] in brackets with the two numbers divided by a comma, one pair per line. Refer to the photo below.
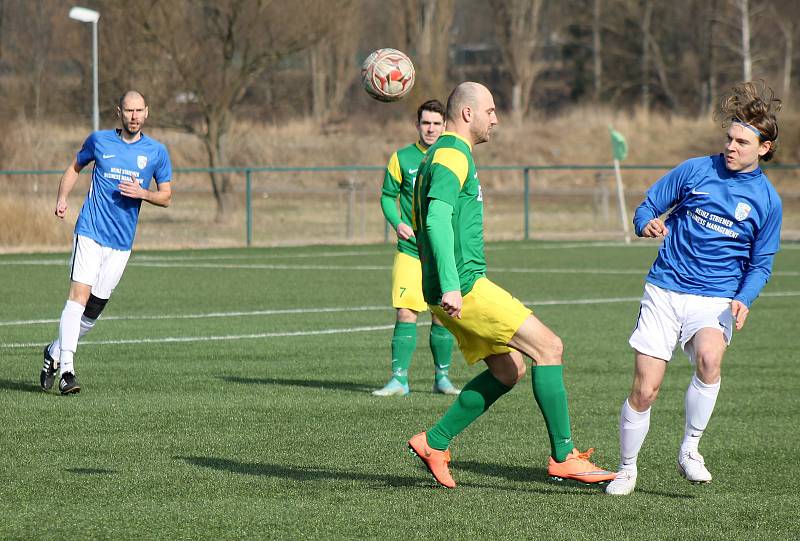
[226,395]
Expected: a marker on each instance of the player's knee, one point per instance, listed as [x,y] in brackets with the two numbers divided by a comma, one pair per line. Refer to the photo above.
[643,397]
[708,362]
[94,307]
[551,351]
[708,358]
[507,368]
[405,315]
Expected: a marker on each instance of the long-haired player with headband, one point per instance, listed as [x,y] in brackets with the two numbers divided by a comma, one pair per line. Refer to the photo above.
[720,239]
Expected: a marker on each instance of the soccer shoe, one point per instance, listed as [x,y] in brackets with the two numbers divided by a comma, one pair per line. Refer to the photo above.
[692,467]
[578,468]
[445,386]
[393,388]
[436,461]
[48,374]
[68,384]
[623,484]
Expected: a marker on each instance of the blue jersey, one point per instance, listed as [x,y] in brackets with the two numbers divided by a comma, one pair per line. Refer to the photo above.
[724,229]
[107,216]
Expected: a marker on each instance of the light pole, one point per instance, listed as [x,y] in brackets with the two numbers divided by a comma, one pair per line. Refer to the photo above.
[85,15]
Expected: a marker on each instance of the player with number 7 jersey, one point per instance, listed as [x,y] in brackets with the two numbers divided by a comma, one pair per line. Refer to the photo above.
[407,296]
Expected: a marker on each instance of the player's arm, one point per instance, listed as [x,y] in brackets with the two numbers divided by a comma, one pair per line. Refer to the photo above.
[449,169]
[161,197]
[439,226]
[759,268]
[660,197]
[68,180]
[392,215]
[392,181]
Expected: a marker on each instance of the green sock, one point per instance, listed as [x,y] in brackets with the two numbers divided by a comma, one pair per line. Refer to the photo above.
[404,342]
[475,398]
[441,342]
[551,396]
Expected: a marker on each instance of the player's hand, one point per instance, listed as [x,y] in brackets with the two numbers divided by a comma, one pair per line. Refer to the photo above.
[451,303]
[404,231]
[132,189]
[655,228]
[739,311]
[61,208]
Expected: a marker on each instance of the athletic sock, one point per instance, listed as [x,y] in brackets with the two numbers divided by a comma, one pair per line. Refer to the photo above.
[699,403]
[476,397]
[404,342]
[633,428]
[86,325]
[69,330]
[551,396]
[441,342]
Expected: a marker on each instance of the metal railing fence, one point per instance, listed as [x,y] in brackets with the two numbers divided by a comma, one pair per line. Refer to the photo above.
[320,193]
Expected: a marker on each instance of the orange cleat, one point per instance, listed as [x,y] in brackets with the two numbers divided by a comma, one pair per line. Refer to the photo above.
[436,461]
[578,467]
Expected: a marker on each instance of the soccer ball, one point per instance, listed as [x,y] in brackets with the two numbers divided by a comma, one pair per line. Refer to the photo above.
[387,74]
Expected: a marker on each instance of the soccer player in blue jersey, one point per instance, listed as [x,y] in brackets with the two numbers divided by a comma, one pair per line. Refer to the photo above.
[125,163]
[720,238]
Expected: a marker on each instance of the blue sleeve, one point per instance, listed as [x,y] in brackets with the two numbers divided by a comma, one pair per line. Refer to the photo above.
[759,268]
[164,171]
[86,153]
[662,196]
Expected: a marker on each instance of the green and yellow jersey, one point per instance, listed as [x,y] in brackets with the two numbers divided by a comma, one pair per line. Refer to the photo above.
[399,181]
[448,174]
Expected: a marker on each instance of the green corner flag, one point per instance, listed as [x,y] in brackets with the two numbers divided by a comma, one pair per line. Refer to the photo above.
[618,144]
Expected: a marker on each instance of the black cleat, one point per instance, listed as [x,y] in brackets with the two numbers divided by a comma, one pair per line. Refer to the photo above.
[68,384]
[48,374]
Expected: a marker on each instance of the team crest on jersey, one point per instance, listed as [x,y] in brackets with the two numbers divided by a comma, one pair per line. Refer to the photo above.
[742,211]
[141,161]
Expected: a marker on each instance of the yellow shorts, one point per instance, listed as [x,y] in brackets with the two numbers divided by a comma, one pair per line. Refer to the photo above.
[407,283]
[490,317]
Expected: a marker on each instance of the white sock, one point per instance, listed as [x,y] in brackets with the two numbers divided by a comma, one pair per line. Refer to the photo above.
[699,404]
[86,326]
[633,428]
[69,330]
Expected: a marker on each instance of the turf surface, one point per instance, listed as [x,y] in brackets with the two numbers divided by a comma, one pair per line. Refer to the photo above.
[226,395]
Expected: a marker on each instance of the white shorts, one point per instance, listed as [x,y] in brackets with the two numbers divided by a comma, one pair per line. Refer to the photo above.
[668,317]
[97,266]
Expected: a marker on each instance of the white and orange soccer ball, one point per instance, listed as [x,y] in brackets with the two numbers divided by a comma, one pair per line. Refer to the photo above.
[387,74]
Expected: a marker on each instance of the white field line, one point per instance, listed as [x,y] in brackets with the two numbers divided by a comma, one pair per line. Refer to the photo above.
[146,257]
[174,339]
[353,253]
[216,314]
[178,339]
[153,257]
[345,268]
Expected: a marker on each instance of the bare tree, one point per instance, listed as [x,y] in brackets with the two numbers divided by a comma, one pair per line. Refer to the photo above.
[708,87]
[518,31]
[32,53]
[333,62]
[427,37]
[747,60]
[597,50]
[211,52]
[787,27]
[647,18]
